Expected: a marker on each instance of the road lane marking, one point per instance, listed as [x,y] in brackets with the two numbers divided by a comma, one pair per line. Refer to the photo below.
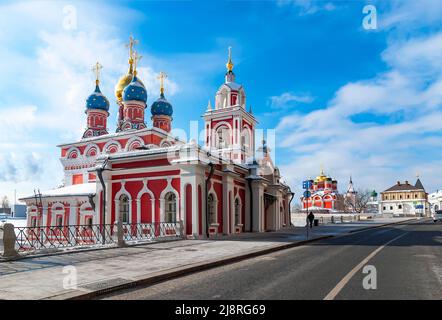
[335,291]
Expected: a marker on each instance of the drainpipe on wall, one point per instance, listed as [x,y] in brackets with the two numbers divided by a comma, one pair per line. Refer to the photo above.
[212,170]
[290,206]
[103,214]
[251,204]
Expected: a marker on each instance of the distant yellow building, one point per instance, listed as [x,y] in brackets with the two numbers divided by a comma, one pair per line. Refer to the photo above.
[405,199]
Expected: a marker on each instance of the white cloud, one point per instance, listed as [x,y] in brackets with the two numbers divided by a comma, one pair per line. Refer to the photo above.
[407,15]
[401,133]
[286,98]
[306,7]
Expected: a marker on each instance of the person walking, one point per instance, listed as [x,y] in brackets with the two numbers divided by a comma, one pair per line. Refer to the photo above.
[310,218]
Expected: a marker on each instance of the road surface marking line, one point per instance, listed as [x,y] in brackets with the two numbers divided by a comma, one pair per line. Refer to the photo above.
[335,291]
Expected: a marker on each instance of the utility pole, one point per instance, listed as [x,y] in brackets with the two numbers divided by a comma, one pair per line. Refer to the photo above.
[306,185]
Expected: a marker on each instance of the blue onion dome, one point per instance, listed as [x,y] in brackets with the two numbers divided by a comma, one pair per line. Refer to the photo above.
[97,100]
[161,107]
[135,90]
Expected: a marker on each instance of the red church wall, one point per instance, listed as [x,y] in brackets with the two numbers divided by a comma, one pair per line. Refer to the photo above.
[134,187]
[141,164]
[188,209]
[200,210]
[49,218]
[157,186]
[146,208]
[147,175]
[230,212]
[77,179]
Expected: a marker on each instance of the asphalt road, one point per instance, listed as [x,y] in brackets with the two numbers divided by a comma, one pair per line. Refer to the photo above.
[407,259]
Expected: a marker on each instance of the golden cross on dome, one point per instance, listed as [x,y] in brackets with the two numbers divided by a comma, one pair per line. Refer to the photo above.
[130,45]
[136,59]
[229,64]
[162,76]
[96,69]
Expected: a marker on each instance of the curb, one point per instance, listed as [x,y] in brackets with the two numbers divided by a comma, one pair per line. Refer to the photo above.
[173,273]
[381,225]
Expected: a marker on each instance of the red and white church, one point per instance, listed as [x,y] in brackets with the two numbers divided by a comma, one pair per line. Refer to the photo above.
[142,174]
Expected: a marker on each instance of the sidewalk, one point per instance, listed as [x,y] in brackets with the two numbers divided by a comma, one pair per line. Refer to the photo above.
[103,270]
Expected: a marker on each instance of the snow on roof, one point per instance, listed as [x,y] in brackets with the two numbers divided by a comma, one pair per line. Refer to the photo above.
[436,194]
[83,189]
[233,85]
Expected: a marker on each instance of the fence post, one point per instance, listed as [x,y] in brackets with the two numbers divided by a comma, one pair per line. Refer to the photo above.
[120,234]
[182,229]
[9,239]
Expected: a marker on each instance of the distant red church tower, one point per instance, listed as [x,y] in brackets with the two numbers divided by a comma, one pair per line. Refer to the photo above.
[324,192]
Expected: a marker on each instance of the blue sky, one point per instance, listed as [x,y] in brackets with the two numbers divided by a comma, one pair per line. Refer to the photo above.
[365,103]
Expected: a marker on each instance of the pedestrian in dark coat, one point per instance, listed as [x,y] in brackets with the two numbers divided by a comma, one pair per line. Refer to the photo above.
[310,218]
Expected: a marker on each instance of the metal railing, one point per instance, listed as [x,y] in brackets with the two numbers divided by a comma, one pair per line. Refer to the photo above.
[338,219]
[30,239]
[151,231]
[38,238]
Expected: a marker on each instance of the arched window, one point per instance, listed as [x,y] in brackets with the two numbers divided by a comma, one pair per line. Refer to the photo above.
[124,208]
[212,209]
[170,207]
[237,212]
[245,138]
[222,137]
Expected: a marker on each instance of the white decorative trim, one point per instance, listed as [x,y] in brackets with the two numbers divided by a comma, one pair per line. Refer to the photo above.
[132,140]
[111,142]
[58,204]
[70,150]
[90,146]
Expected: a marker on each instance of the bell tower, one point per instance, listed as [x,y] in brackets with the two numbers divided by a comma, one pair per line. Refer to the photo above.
[229,127]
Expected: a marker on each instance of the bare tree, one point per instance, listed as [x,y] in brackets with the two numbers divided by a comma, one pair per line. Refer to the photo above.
[357,202]
[340,204]
[5,202]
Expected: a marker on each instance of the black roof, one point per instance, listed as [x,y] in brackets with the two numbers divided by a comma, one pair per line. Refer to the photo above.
[406,186]
[419,184]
